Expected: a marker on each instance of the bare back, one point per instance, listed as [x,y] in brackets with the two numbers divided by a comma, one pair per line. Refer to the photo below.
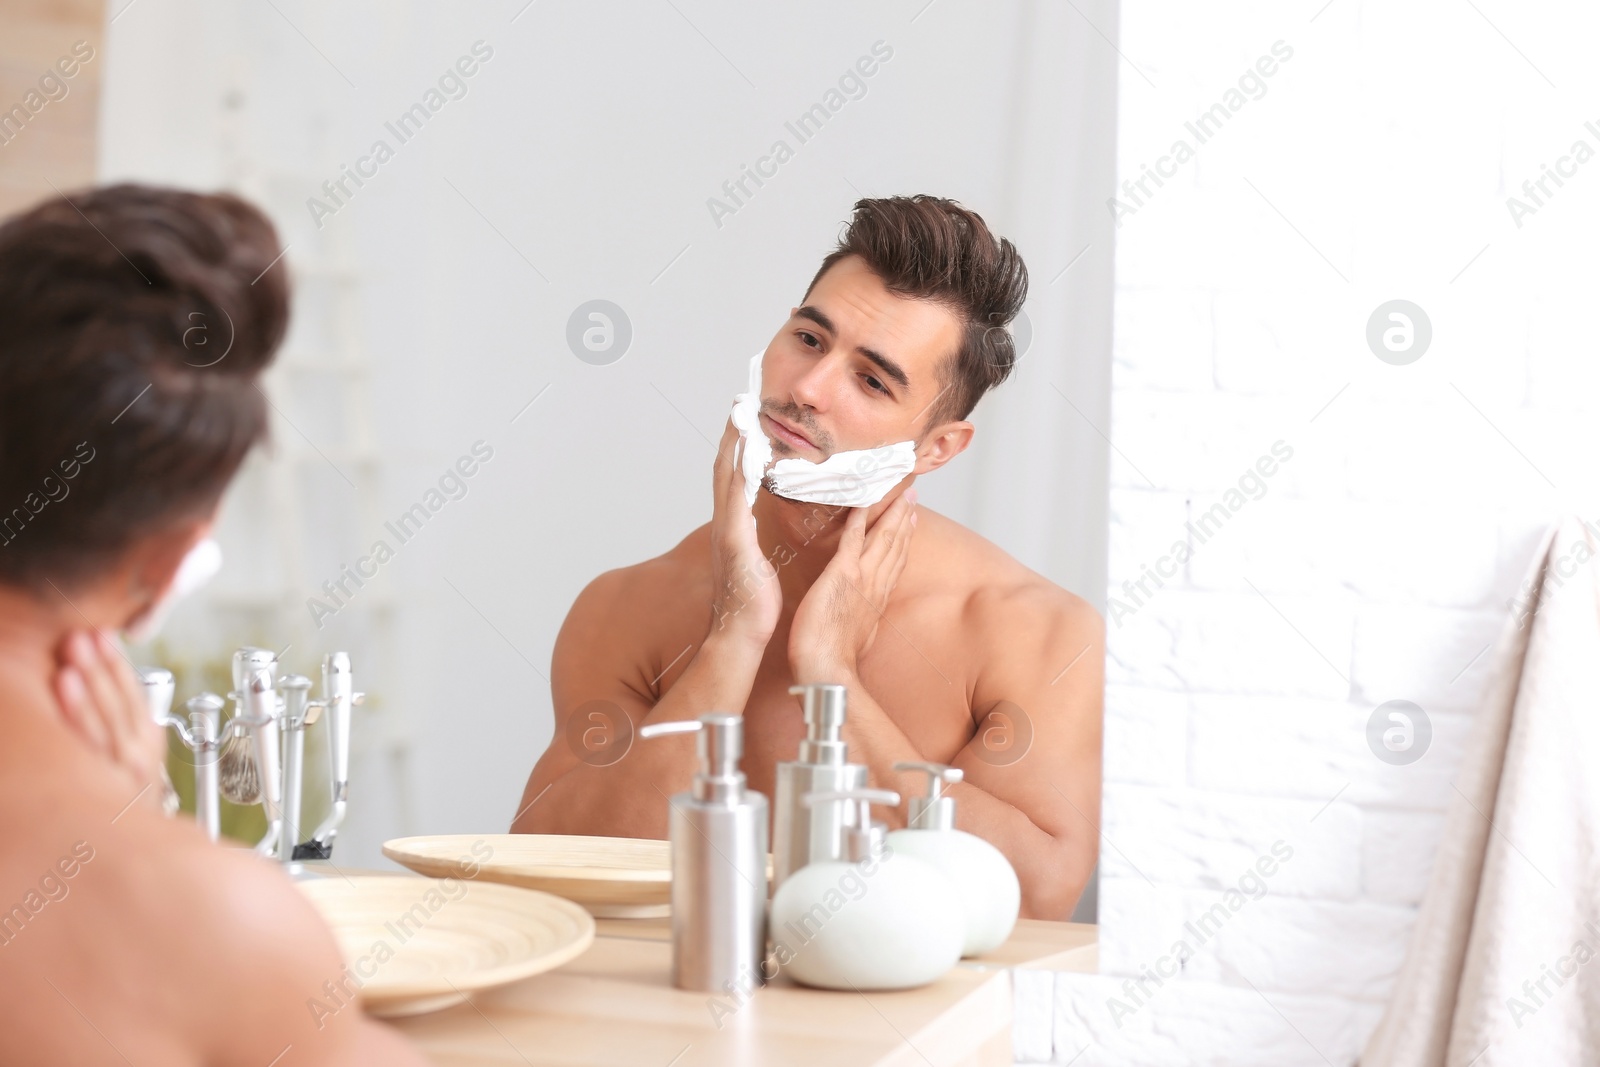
[128,937]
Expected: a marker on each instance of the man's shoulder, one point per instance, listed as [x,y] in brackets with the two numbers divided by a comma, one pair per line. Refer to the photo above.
[130,894]
[676,572]
[1003,597]
[1026,631]
[1033,607]
[240,933]
[163,875]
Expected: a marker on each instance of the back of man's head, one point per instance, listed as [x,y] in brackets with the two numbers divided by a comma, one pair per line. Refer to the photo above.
[134,322]
[935,249]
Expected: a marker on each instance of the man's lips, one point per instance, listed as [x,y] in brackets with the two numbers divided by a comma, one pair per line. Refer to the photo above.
[788,435]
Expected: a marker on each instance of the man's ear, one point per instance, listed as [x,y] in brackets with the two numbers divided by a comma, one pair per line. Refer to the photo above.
[155,562]
[943,443]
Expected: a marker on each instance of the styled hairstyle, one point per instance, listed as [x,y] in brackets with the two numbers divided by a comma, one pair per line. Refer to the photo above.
[134,322]
[935,249]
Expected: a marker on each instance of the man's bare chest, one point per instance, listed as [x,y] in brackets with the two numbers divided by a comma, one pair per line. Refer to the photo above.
[927,701]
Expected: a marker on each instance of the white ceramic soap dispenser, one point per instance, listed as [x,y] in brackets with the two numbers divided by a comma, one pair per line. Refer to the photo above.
[984,879]
[874,920]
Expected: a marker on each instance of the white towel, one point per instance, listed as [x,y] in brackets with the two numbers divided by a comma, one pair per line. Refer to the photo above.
[1503,969]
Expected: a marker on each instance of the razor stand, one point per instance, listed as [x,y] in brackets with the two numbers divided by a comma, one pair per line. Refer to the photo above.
[274,713]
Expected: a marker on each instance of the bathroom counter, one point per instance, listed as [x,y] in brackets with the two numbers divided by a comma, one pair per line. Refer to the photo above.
[615,1005]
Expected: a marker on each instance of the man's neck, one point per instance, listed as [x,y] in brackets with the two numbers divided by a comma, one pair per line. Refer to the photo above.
[800,539]
[32,627]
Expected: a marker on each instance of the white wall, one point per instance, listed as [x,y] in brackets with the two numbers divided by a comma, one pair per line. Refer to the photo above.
[1379,562]
[434,306]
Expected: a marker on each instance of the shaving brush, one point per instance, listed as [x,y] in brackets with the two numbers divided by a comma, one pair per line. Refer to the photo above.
[238,773]
[237,779]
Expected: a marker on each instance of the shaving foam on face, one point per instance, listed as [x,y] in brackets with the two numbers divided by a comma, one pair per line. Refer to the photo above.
[858,478]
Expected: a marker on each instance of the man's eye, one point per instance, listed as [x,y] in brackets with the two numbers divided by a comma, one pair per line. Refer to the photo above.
[810,339]
[874,383]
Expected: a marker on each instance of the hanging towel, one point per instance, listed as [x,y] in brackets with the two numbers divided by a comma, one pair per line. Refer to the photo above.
[1503,969]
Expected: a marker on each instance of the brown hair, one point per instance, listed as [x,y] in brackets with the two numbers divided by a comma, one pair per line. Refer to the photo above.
[134,322]
[935,249]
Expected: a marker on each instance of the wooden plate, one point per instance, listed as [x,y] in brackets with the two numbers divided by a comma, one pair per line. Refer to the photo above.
[418,944]
[613,877]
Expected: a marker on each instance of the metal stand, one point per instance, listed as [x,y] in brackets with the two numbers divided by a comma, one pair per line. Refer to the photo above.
[275,714]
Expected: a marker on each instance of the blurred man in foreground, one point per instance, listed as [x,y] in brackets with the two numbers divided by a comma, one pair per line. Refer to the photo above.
[127,937]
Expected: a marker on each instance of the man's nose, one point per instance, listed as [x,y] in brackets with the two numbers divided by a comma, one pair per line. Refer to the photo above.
[817,386]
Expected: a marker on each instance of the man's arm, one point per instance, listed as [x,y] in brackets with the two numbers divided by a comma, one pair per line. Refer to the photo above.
[247,961]
[596,777]
[1042,674]
[282,955]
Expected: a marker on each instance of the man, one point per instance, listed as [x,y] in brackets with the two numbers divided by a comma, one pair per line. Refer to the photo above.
[125,936]
[944,641]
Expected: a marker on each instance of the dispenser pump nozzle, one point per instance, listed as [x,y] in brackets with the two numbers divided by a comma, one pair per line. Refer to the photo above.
[865,838]
[824,709]
[934,810]
[720,744]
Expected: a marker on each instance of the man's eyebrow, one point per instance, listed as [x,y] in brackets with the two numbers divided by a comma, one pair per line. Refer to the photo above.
[884,363]
[808,312]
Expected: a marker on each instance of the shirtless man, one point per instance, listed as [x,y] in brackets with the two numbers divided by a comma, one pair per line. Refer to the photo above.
[125,936]
[950,648]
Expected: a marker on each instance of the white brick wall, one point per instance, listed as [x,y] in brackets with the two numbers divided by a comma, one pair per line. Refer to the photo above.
[1378,562]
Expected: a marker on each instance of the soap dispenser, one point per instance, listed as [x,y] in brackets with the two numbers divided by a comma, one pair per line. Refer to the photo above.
[801,834]
[874,919]
[984,878]
[719,863]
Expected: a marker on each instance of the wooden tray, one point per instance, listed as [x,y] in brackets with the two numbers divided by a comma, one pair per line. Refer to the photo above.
[612,877]
[419,944]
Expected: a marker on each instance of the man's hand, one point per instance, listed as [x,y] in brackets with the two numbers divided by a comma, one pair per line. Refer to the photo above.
[103,702]
[746,598]
[836,622]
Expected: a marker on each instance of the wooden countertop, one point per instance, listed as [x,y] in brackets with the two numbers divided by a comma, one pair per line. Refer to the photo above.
[615,1005]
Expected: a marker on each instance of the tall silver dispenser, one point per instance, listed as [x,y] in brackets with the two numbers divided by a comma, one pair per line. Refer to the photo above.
[719,863]
[802,834]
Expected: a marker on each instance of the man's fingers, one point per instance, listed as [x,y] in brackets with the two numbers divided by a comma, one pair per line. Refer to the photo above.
[897,559]
[73,696]
[105,699]
[730,483]
[855,536]
[736,480]
[143,735]
[897,551]
[134,703]
[891,528]
[722,465]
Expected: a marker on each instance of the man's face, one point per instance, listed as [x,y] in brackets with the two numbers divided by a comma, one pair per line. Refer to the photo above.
[856,366]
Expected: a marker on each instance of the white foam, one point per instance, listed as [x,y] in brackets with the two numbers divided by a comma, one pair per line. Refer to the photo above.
[857,478]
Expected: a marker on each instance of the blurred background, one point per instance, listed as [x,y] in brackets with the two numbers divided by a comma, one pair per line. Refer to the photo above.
[538,157]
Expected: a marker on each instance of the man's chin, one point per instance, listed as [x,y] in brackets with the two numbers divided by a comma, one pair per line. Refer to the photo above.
[782,449]
[772,488]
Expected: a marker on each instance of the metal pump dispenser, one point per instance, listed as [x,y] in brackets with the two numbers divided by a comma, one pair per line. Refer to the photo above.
[861,838]
[719,863]
[935,810]
[901,927]
[985,882]
[803,834]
